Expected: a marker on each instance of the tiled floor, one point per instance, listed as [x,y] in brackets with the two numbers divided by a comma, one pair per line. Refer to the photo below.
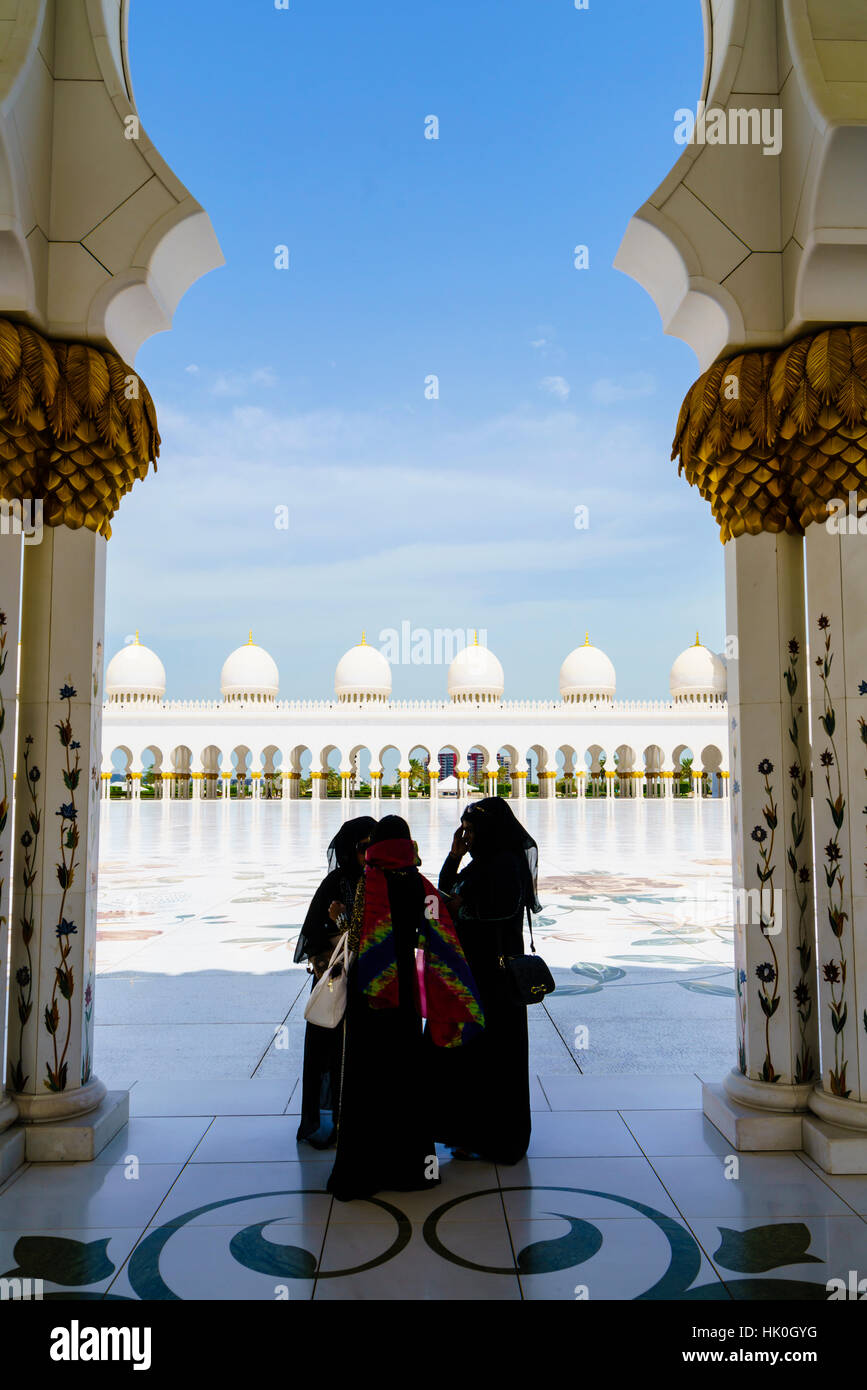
[200,904]
[623,1193]
[206,1195]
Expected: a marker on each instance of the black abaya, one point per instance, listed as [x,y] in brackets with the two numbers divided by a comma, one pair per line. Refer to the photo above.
[481,1092]
[384,1139]
[320,1075]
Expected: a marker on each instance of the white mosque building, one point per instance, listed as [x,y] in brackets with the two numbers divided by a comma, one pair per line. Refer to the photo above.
[252,743]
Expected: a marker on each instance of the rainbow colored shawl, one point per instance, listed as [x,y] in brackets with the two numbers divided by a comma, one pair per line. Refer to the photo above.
[452,1003]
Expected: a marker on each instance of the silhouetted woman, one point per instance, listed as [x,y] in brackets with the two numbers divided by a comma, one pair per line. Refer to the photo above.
[384,1137]
[481,1095]
[328,916]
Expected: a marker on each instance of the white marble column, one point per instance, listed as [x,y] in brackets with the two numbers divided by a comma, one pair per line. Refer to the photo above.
[57,839]
[775,965]
[11,1143]
[837,619]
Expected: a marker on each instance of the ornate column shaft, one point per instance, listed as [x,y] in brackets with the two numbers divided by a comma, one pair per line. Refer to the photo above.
[837,607]
[11,1144]
[57,839]
[771,849]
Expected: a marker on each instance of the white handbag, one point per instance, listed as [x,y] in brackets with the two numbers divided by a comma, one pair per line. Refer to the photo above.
[327,1003]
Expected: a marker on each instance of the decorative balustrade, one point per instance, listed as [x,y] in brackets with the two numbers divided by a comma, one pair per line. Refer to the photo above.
[348,711]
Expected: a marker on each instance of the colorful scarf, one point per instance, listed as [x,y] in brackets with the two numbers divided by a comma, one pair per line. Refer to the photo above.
[454,1009]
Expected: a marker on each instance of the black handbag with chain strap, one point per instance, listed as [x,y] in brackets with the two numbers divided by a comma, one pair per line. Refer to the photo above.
[530,976]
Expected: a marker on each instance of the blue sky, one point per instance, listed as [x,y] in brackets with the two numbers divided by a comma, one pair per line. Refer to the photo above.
[305,388]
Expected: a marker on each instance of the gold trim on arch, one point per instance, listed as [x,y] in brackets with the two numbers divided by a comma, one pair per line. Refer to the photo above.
[770,437]
[77,428]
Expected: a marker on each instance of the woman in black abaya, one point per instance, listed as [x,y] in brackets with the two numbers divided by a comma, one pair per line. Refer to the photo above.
[327,916]
[384,1137]
[481,1094]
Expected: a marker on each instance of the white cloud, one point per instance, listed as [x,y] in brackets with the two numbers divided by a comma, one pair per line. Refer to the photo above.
[556,386]
[389,518]
[609,392]
[238,383]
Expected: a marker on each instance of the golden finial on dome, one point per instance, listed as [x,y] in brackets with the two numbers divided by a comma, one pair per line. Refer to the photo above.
[697,642]
[251,643]
[363,642]
[587,639]
[476,638]
[137,642]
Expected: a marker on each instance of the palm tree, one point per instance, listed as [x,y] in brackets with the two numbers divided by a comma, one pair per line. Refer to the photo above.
[685,772]
[418,775]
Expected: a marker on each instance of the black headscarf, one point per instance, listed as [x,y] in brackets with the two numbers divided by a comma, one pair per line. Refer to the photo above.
[343,850]
[344,871]
[391,828]
[497,830]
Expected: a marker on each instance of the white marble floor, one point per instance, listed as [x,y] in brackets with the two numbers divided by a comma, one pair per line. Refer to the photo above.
[200,904]
[624,1193]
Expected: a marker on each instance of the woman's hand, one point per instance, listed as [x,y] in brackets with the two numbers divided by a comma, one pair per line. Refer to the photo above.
[319,964]
[336,911]
[459,843]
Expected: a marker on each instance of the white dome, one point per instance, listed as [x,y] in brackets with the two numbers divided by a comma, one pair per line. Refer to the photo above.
[587,675]
[249,674]
[363,673]
[476,674]
[135,674]
[698,676]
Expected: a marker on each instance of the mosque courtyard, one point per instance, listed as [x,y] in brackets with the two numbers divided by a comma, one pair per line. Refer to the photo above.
[627,1191]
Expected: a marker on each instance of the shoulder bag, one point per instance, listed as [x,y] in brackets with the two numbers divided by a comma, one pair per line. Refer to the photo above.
[531,979]
[327,1003]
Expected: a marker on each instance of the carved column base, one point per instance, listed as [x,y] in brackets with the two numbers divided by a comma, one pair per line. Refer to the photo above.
[835,1133]
[60,1105]
[79,1138]
[848,1114]
[762,1095]
[749,1128]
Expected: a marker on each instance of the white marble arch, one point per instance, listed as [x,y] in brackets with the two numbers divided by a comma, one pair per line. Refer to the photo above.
[553,731]
[100,240]
[752,250]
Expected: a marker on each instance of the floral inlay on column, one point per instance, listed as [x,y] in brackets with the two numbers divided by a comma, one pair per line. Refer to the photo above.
[64,982]
[768,972]
[24,974]
[740,945]
[834,970]
[805,1067]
